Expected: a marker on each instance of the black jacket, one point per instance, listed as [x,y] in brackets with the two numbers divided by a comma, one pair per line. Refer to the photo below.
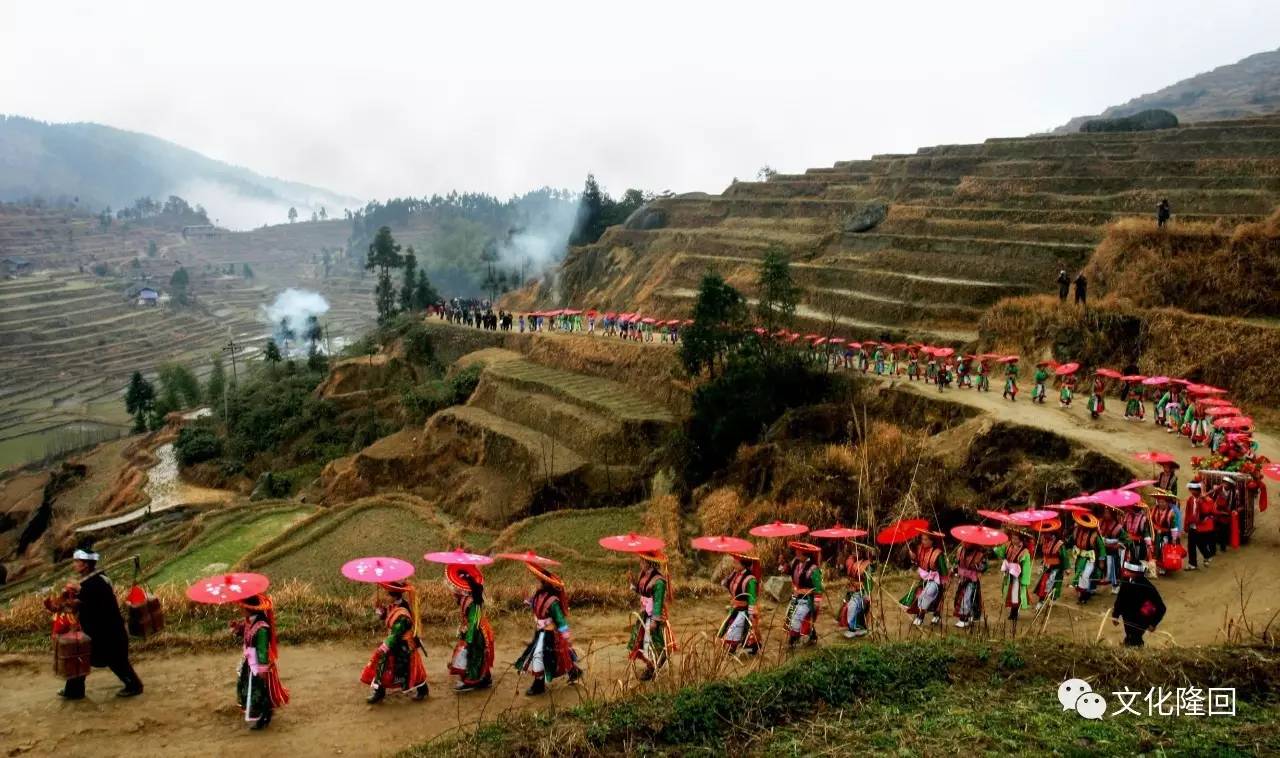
[1139,603]
[100,618]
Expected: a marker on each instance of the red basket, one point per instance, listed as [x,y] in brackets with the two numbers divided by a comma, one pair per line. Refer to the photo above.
[1172,556]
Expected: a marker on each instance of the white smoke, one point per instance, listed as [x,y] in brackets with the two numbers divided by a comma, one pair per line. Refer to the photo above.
[291,309]
[537,245]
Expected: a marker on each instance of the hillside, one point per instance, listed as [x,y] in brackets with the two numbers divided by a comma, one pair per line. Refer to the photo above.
[104,166]
[921,244]
[1246,88]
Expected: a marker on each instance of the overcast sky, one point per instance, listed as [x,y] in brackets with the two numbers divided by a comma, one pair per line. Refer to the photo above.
[377,99]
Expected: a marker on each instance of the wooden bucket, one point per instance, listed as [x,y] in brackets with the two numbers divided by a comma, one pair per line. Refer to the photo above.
[146,617]
[71,654]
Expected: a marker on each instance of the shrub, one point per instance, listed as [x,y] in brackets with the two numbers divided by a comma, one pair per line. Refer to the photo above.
[1154,118]
[197,444]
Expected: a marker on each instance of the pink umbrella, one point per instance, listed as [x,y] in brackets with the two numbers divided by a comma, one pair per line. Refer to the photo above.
[1271,471]
[1133,378]
[529,557]
[779,529]
[1118,498]
[377,569]
[1032,516]
[1205,389]
[1081,500]
[227,588]
[1000,516]
[1138,484]
[648,320]
[979,535]
[1222,410]
[1233,422]
[721,544]
[1068,507]
[632,543]
[1155,457]
[1109,373]
[1067,369]
[458,557]
[944,352]
[1156,381]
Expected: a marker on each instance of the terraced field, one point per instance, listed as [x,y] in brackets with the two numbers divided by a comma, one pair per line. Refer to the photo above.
[70,338]
[919,244]
[227,541]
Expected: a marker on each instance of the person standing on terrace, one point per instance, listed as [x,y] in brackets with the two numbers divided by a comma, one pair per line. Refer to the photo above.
[1064,285]
[1163,212]
[1082,287]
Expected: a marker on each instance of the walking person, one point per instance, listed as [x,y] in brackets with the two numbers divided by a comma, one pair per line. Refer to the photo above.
[1138,604]
[1200,513]
[98,614]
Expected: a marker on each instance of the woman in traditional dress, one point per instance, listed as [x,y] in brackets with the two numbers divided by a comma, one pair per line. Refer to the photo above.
[472,660]
[396,665]
[1088,551]
[1053,564]
[971,561]
[1134,407]
[1112,533]
[931,568]
[984,376]
[1097,402]
[913,365]
[856,609]
[1166,522]
[258,688]
[1067,391]
[550,653]
[806,592]
[738,631]
[1038,392]
[1015,566]
[1011,381]
[650,635]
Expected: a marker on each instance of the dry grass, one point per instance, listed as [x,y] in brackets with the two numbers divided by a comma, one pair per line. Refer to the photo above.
[1205,268]
[1226,352]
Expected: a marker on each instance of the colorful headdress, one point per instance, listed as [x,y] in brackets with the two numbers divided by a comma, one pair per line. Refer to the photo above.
[804,547]
[465,578]
[1087,520]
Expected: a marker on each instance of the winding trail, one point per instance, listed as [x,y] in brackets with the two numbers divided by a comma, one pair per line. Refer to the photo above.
[188,708]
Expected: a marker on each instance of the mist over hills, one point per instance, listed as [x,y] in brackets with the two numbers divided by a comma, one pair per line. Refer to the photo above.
[101,165]
[1248,87]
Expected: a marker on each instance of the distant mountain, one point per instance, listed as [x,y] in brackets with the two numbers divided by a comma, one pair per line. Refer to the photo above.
[1250,87]
[102,166]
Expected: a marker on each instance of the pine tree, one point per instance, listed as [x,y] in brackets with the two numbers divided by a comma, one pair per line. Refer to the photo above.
[271,354]
[410,280]
[778,293]
[138,400]
[719,317]
[384,255]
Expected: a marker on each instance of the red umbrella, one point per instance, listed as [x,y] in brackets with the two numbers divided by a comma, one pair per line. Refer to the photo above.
[1118,498]
[1272,471]
[1008,359]
[1233,422]
[945,352]
[458,557]
[979,535]
[1032,516]
[227,588]
[1222,410]
[377,569]
[1067,369]
[1133,378]
[1109,373]
[779,529]
[632,543]
[1183,382]
[723,544]
[648,320]
[901,531]
[1068,507]
[839,532]
[820,341]
[1205,389]
[836,340]
[1155,457]
[1000,516]
[1138,484]
[529,557]
[1156,381]
[856,345]
[1213,401]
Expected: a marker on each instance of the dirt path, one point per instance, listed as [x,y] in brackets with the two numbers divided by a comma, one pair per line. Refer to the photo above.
[1200,603]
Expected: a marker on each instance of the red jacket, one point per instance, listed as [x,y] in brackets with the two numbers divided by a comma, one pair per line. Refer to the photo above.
[1200,511]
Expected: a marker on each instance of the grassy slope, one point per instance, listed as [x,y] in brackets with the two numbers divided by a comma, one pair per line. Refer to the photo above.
[227,544]
[930,698]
